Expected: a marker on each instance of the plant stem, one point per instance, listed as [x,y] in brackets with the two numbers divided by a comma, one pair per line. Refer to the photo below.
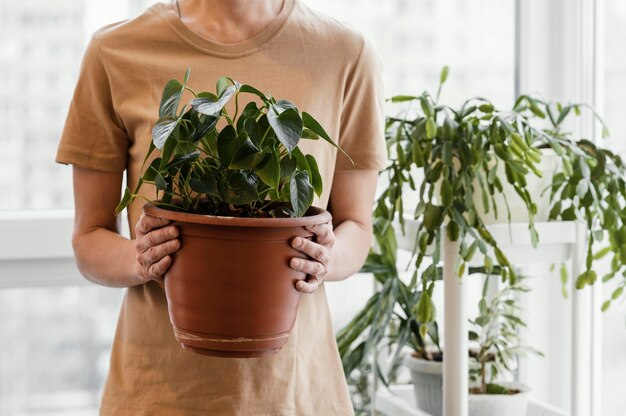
[264,135]
[192,91]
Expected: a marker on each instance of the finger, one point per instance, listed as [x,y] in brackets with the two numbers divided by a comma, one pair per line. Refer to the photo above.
[308,286]
[158,269]
[156,237]
[309,267]
[311,249]
[155,253]
[147,223]
[323,233]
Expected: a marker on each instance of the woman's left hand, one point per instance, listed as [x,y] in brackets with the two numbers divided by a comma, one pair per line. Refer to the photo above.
[318,249]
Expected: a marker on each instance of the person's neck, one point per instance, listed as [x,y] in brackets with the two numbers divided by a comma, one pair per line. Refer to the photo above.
[228,21]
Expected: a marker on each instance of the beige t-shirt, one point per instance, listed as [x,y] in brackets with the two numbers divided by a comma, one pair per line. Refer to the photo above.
[327,70]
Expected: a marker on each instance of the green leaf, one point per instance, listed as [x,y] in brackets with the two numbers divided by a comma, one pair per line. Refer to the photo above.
[486,108]
[283,105]
[152,170]
[205,184]
[247,156]
[250,112]
[269,169]
[287,166]
[444,74]
[160,182]
[126,200]
[424,309]
[432,217]
[316,178]
[427,106]
[403,98]
[252,129]
[204,125]
[312,124]
[240,188]
[210,106]
[163,129]
[287,125]
[222,84]
[301,192]
[431,128]
[170,99]
[250,89]
[228,143]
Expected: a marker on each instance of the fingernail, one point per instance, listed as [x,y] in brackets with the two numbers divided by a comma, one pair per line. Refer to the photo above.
[173,231]
[295,263]
[297,242]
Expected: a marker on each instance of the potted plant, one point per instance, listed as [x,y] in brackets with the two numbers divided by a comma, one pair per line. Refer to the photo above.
[460,166]
[495,350]
[239,189]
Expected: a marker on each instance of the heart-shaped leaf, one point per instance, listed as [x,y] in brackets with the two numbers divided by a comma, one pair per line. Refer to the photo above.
[252,90]
[210,106]
[247,156]
[203,126]
[205,184]
[252,128]
[226,144]
[287,166]
[269,169]
[283,105]
[163,129]
[170,99]
[287,125]
[222,84]
[250,111]
[240,189]
[300,192]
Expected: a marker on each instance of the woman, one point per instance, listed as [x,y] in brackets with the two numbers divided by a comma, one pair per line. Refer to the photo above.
[280,46]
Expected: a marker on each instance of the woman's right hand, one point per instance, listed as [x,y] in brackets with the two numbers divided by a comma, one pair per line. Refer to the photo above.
[155,241]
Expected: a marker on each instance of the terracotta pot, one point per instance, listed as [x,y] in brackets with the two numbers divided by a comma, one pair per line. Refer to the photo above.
[230,290]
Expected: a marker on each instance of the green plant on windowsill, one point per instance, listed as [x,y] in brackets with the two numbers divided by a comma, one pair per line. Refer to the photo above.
[460,163]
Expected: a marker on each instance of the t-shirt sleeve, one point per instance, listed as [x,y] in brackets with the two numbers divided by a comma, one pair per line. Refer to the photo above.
[93,137]
[361,133]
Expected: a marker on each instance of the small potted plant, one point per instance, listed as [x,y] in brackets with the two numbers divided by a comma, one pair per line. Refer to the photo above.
[239,189]
[495,350]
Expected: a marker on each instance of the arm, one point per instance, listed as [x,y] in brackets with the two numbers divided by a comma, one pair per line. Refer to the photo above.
[336,255]
[102,254]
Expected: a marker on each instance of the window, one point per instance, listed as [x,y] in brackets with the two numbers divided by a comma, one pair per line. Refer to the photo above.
[56,348]
[612,38]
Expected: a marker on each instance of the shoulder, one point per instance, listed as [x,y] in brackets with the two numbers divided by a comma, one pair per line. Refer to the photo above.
[131,32]
[329,34]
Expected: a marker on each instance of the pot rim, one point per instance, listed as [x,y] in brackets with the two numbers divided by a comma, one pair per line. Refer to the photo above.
[319,216]
[524,389]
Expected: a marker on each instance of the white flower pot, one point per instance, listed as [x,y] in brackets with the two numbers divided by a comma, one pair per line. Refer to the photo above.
[428,382]
[500,404]
[535,185]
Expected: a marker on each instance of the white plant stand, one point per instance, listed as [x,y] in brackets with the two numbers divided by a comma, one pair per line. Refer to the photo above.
[558,242]
[401,402]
